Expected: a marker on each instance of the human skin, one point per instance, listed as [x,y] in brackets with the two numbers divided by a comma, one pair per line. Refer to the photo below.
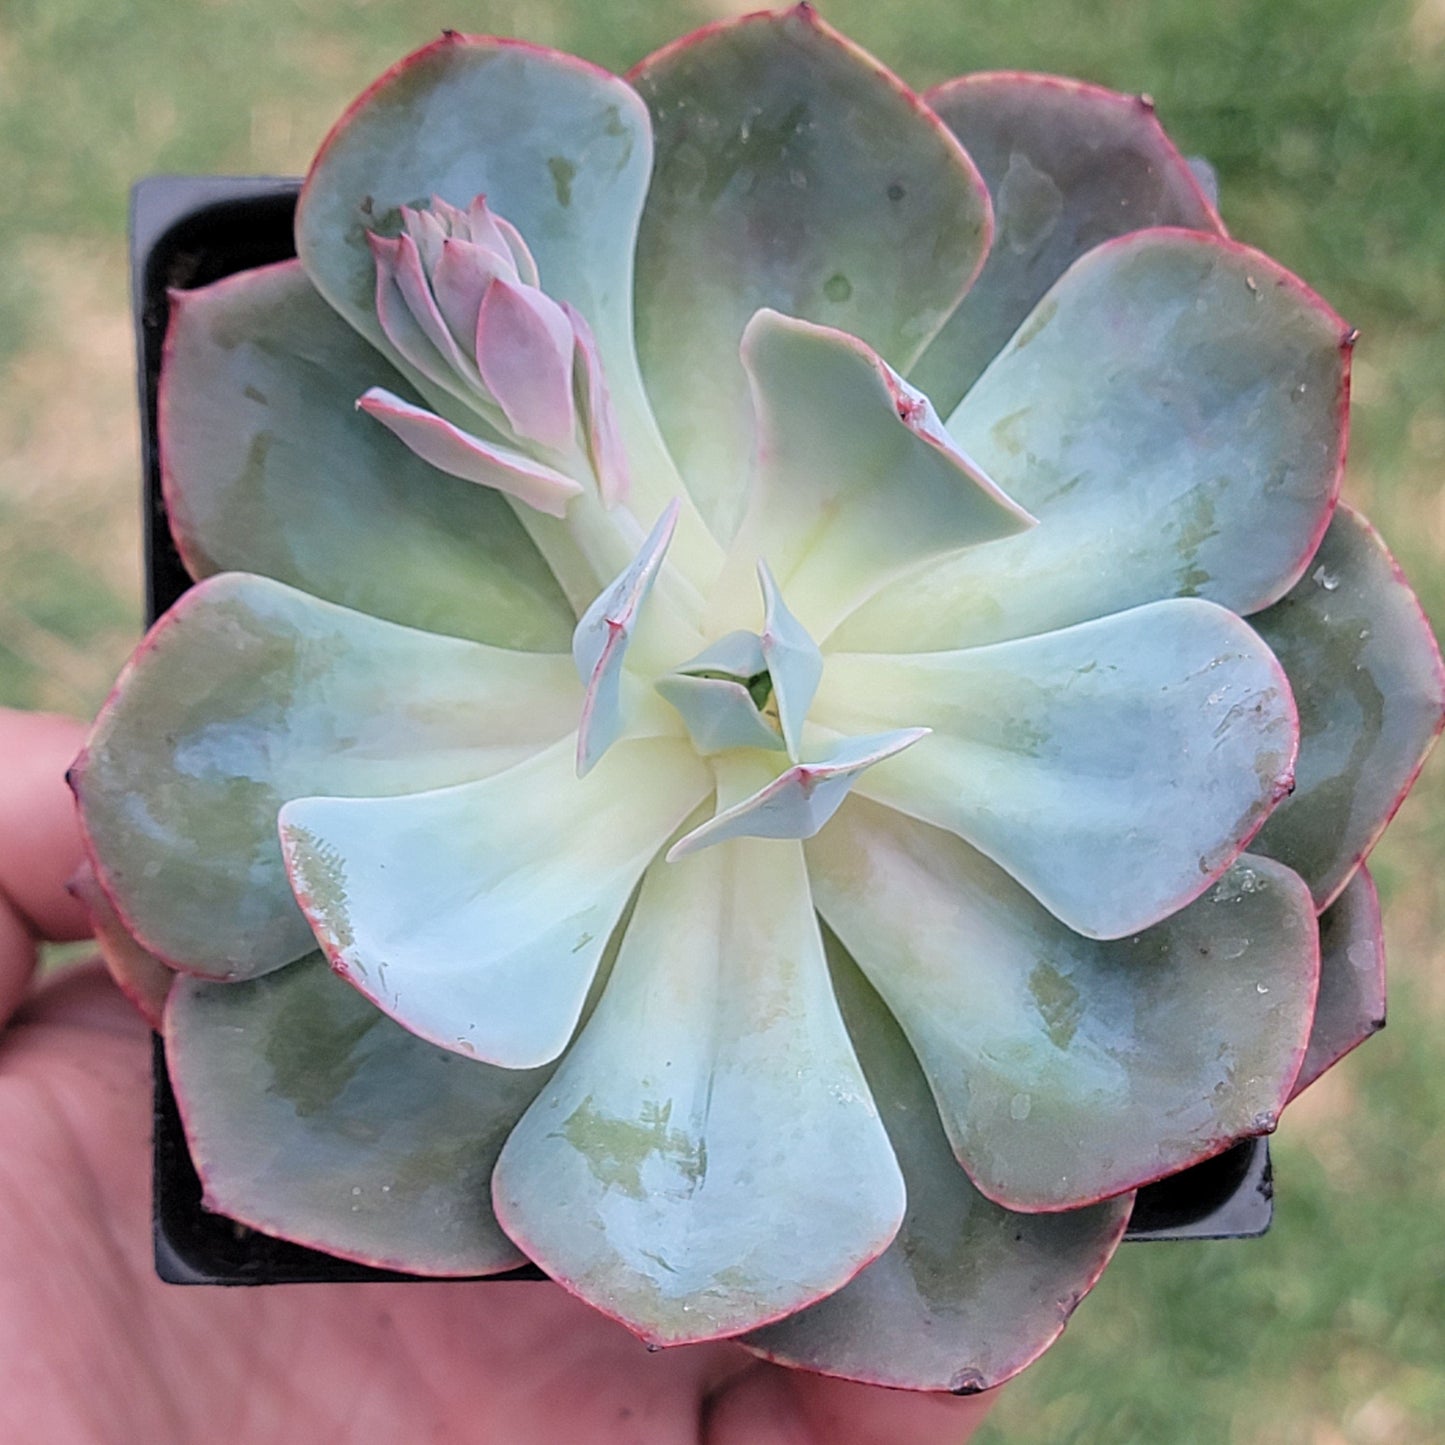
[94,1350]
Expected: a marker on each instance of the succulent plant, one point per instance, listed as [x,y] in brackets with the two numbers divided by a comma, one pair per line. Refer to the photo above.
[715,745]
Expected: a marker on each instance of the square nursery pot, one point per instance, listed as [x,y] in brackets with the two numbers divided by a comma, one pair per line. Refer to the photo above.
[187,231]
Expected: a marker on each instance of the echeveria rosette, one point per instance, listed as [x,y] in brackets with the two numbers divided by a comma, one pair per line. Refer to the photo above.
[823,950]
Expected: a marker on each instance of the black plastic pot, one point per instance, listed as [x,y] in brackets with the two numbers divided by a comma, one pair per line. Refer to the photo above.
[187,231]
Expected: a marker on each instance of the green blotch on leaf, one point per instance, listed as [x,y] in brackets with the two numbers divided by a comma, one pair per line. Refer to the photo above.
[762,149]
[1058,1003]
[322,878]
[1005,431]
[1042,315]
[563,174]
[1196,527]
[1030,204]
[242,814]
[253,474]
[617,1149]
[313,1077]
[463,1160]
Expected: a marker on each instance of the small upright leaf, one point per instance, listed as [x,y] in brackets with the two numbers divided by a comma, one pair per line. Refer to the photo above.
[524,354]
[605,448]
[602,638]
[795,665]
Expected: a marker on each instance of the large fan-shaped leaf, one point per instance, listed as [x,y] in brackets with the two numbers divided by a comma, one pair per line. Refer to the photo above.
[312,1116]
[1065,1069]
[268,468]
[1068,166]
[968,1293]
[792,172]
[1367,676]
[707,1157]
[248,693]
[1115,768]
[476,915]
[1173,413]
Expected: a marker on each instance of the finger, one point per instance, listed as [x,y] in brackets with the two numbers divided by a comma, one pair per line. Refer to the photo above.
[39,844]
[772,1406]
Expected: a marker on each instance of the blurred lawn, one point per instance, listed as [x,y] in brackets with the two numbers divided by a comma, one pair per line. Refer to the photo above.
[1326,122]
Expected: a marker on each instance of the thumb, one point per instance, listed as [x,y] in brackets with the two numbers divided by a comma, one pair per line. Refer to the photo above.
[767,1405]
[39,844]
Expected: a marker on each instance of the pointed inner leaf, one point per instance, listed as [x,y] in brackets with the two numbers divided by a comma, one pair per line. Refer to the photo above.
[800,801]
[721,713]
[723,695]
[600,643]
[795,666]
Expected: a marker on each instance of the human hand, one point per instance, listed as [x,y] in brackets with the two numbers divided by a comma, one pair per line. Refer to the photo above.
[95,1350]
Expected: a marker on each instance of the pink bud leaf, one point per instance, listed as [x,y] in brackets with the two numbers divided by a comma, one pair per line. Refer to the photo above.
[458,453]
[524,354]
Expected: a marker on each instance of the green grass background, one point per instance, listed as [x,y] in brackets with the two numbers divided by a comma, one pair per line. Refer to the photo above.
[1326,122]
